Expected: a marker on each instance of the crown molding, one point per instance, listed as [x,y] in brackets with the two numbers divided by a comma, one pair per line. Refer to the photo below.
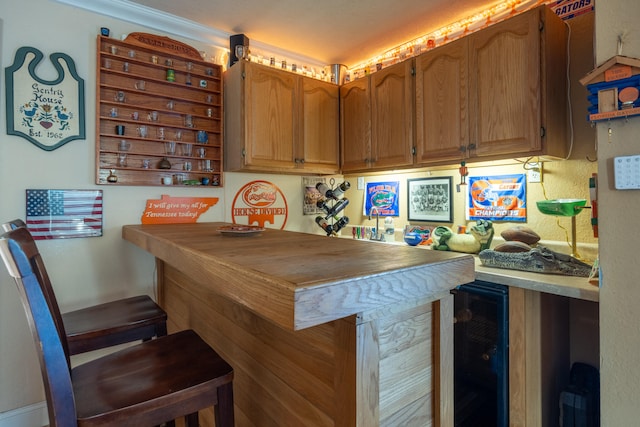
[128,11]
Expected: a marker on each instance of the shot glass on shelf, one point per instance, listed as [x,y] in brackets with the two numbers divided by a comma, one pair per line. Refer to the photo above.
[124,145]
[201,152]
[187,149]
[188,121]
[153,116]
[114,112]
[178,135]
[202,137]
[146,163]
[170,148]
[171,105]
[122,160]
[160,133]
[187,166]
[205,165]
[142,131]
[120,96]
[140,85]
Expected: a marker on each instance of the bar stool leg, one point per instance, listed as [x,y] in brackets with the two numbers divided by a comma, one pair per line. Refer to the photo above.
[191,420]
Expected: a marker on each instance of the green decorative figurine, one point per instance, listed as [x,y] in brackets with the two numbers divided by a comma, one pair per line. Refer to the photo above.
[478,238]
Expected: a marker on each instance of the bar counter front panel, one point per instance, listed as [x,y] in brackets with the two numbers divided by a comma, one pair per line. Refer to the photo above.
[320,331]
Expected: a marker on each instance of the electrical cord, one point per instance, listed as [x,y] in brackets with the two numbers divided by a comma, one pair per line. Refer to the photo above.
[569,105]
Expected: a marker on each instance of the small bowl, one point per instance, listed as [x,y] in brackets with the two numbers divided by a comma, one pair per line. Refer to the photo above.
[413,239]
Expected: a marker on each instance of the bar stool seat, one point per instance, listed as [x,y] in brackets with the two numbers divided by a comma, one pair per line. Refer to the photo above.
[103,325]
[112,323]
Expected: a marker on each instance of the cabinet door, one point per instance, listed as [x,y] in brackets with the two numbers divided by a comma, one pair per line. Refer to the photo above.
[504,87]
[355,113]
[318,149]
[442,116]
[271,117]
[392,116]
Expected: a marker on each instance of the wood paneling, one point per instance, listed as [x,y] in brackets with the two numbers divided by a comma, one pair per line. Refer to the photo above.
[366,353]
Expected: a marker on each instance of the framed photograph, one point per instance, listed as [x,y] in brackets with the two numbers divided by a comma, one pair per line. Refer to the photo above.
[430,199]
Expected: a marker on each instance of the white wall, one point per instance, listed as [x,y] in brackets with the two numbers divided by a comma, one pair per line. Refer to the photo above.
[91,270]
[618,212]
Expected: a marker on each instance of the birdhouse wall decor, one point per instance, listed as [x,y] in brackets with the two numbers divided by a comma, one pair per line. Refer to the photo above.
[47,113]
[614,89]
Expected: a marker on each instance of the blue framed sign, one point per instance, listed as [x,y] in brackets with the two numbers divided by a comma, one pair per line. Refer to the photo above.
[47,113]
[384,196]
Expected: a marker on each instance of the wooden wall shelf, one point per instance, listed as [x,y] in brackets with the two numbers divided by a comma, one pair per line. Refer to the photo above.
[174,96]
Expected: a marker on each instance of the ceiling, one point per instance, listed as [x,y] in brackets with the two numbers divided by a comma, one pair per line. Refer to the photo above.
[330,31]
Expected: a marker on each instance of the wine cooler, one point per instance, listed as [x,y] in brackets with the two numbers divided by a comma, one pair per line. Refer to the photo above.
[481,362]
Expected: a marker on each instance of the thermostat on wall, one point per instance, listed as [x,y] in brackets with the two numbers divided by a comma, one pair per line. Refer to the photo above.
[627,172]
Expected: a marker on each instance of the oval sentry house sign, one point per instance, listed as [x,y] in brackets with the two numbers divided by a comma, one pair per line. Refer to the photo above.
[47,113]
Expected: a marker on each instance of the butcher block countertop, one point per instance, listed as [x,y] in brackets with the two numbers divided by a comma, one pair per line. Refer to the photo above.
[299,280]
[556,284]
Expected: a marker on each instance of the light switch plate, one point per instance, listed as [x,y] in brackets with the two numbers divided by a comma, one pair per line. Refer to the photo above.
[360,183]
[627,172]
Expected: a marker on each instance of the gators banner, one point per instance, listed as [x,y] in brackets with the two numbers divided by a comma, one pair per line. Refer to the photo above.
[384,197]
[497,198]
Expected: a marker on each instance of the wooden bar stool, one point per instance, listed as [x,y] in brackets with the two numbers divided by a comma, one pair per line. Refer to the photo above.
[103,325]
[144,385]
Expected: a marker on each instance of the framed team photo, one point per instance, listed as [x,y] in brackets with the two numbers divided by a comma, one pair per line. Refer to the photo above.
[430,199]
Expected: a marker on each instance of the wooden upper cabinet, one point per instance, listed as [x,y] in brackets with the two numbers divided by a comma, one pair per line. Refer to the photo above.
[264,132]
[517,97]
[496,94]
[277,119]
[392,116]
[355,125]
[504,87]
[320,141]
[442,113]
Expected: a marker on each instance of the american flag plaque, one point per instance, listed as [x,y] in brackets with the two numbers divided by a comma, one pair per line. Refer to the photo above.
[64,214]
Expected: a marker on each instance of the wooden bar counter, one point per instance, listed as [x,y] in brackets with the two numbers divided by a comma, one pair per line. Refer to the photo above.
[320,331]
